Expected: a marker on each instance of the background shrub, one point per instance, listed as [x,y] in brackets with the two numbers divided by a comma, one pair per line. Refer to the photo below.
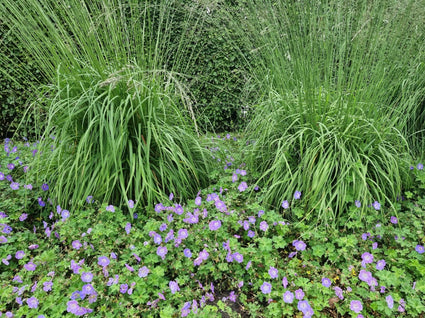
[16,86]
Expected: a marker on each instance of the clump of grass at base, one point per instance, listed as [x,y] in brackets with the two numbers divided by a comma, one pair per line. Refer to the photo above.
[333,161]
[337,78]
[122,118]
[120,139]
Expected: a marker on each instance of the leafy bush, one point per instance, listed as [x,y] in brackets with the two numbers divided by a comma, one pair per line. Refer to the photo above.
[220,80]
[221,252]
[17,86]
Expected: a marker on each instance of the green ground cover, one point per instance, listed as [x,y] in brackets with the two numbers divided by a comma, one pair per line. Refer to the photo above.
[219,253]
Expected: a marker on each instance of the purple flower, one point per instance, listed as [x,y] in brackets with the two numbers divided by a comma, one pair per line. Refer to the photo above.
[248,265]
[23,217]
[376,205]
[374,245]
[110,208]
[356,306]
[367,258]
[5,260]
[30,266]
[237,257]
[159,207]
[169,236]
[251,234]
[303,305]
[76,244]
[47,286]
[264,226]
[174,287]
[187,253]
[204,254]
[221,206]
[365,276]
[393,220]
[103,261]
[326,282]
[380,265]
[3,239]
[420,166]
[198,201]
[14,185]
[32,302]
[284,282]
[288,297]
[19,254]
[285,204]
[420,249]
[6,228]
[243,186]
[44,187]
[273,272]
[390,301]
[123,288]
[157,238]
[162,251]
[357,203]
[86,277]
[93,297]
[182,234]
[65,214]
[163,227]
[297,195]
[171,196]
[128,228]
[178,209]
[299,245]
[292,254]
[246,225]
[215,225]
[299,294]
[130,268]
[143,272]
[88,289]
[266,288]
[131,204]
[72,306]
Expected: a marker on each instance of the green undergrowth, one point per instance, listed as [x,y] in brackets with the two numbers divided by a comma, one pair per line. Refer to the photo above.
[220,252]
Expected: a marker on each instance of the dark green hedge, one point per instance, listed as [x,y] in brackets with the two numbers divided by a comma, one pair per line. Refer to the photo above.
[221,82]
[18,88]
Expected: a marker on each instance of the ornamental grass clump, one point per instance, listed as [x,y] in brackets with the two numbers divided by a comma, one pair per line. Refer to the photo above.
[119,139]
[343,100]
[119,115]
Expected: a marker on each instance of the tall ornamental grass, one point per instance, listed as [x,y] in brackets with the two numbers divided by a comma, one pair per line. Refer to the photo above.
[343,100]
[122,120]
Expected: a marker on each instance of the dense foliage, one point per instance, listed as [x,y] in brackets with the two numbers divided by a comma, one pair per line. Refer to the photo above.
[123,207]
[220,253]
[17,86]
[344,106]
